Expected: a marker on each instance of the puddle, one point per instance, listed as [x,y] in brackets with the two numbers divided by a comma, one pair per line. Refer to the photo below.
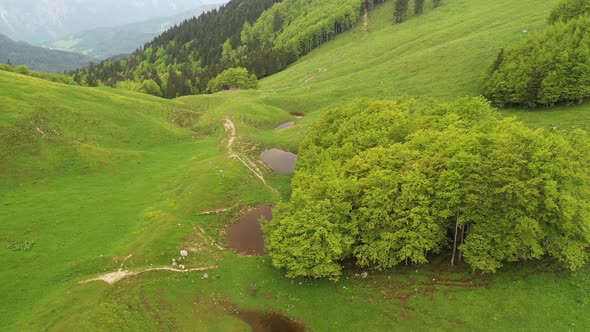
[298,115]
[245,236]
[281,162]
[285,125]
[269,322]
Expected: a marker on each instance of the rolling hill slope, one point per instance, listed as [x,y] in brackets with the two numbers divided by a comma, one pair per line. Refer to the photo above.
[101,180]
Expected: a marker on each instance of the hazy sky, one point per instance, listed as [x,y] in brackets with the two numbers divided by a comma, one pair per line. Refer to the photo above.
[38,21]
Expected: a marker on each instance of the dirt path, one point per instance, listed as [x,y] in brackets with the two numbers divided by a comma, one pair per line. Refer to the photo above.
[113,277]
[218,210]
[244,159]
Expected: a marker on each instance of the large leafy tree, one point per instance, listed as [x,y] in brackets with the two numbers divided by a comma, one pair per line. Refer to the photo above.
[387,182]
[233,78]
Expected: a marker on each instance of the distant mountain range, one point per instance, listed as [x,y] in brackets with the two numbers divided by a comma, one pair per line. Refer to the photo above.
[102,43]
[39,21]
[39,58]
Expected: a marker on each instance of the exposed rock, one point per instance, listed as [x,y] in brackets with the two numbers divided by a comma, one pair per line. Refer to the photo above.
[184,253]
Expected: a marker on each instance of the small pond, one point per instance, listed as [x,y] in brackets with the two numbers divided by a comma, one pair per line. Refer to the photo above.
[298,115]
[281,162]
[269,322]
[286,125]
[245,236]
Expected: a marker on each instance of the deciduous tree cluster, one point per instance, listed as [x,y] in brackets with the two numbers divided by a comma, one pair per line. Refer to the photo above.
[392,182]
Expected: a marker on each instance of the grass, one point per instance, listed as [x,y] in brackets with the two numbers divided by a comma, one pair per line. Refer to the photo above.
[110,173]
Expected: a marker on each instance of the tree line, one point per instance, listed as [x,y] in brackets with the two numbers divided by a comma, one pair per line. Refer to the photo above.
[401,8]
[390,182]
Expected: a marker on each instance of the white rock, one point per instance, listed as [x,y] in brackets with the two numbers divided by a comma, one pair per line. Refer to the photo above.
[183,253]
[206,276]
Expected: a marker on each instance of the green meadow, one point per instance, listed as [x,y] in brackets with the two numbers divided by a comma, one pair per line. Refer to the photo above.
[93,180]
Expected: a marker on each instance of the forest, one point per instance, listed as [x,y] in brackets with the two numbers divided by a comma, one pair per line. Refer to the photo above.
[263,36]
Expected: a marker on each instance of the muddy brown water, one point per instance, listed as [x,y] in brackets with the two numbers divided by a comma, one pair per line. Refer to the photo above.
[245,236]
[285,125]
[298,115]
[269,322]
[281,162]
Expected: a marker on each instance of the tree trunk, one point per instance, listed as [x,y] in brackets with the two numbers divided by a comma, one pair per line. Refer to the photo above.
[461,242]
[455,240]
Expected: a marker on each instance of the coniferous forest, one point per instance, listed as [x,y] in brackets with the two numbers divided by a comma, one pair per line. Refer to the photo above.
[252,34]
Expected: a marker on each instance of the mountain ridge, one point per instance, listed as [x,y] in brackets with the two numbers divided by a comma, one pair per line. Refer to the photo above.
[39,58]
[37,22]
[105,42]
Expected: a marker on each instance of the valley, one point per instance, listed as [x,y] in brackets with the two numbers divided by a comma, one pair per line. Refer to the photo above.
[96,181]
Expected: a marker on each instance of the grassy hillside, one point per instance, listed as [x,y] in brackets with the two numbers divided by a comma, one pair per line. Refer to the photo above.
[89,174]
[112,173]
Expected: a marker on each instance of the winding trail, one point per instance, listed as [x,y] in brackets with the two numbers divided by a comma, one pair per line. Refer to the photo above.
[113,277]
[244,159]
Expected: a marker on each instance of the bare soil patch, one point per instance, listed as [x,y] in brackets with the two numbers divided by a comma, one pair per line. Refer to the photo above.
[113,277]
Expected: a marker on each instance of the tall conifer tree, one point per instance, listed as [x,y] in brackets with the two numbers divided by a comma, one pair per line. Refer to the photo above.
[418,7]
[400,10]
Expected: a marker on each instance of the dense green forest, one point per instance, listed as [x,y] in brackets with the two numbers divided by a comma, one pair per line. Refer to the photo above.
[546,68]
[263,36]
[39,58]
[393,182]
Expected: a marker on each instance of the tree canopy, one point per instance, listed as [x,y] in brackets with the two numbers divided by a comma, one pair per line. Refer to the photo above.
[233,78]
[386,182]
[546,68]
[566,10]
[549,67]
